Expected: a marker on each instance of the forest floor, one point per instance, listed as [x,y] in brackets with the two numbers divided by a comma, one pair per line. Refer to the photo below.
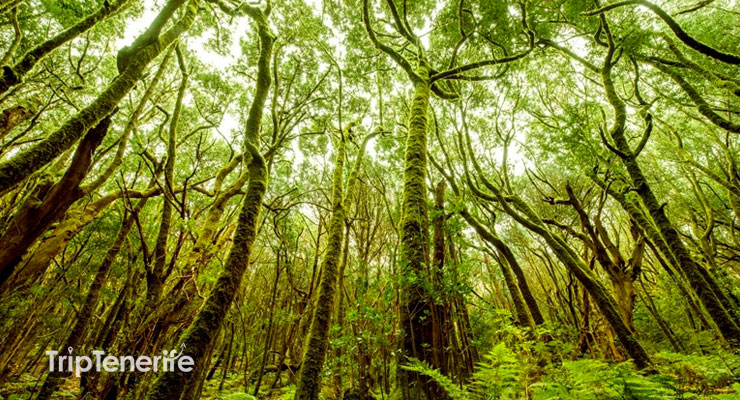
[505,374]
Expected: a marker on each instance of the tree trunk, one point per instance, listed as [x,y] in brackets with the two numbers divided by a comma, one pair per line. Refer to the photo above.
[199,338]
[317,343]
[13,75]
[156,275]
[416,306]
[42,210]
[318,337]
[714,300]
[54,379]
[12,117]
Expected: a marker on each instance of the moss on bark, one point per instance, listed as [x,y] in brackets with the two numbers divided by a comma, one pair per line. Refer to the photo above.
[39,212]
[711,298]
[83,156]
[309,383]
[12,76]
[198,340]
[318,337]
[200,337]
[522,310]
[417,323]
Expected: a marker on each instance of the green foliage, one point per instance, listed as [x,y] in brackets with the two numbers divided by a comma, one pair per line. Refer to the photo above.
[549,105]
[236,396]
[595,379]
[501,375]
[699,372]
[504,375]
[422,367]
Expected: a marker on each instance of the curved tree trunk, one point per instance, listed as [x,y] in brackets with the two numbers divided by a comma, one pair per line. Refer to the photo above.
[46,207]
[13,75]
[54,379]
[714,300]
[199,338]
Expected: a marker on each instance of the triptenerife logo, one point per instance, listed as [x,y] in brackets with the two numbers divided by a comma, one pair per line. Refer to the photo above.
[169,361]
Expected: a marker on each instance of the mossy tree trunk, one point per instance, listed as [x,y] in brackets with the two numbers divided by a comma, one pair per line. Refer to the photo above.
[12,117]
[523,314]
[604,301]
[156,275]
[416,320]
[199,338]
[713,299]
[416,307]
[622,272]
[48,204]
[522,213]
[180,302]
[443,342]
[317,343]
[34,264]
[630,203]
[13,75]
[82,156]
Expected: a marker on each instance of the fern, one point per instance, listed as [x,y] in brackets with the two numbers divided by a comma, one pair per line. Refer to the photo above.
[700,372]
[421,367]
[237,396]
[501,376]
[595,379]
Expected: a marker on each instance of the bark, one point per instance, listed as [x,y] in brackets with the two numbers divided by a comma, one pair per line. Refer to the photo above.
[54,379]
[711,299]
[109,331]
[442,317]
[416,306]
[183,297]
[702,106]
[156,276]
[521,212]
[133,121]
[13,75]
[317,343]
[200,336]
[687,39]
[309,384]
[198,339]
[522,312]
[664,327]
[530,315]
[340,310]
[657,244]
[47,206]
[269,332]
[35,263]
[16,40]
[12,117]
[622,273]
